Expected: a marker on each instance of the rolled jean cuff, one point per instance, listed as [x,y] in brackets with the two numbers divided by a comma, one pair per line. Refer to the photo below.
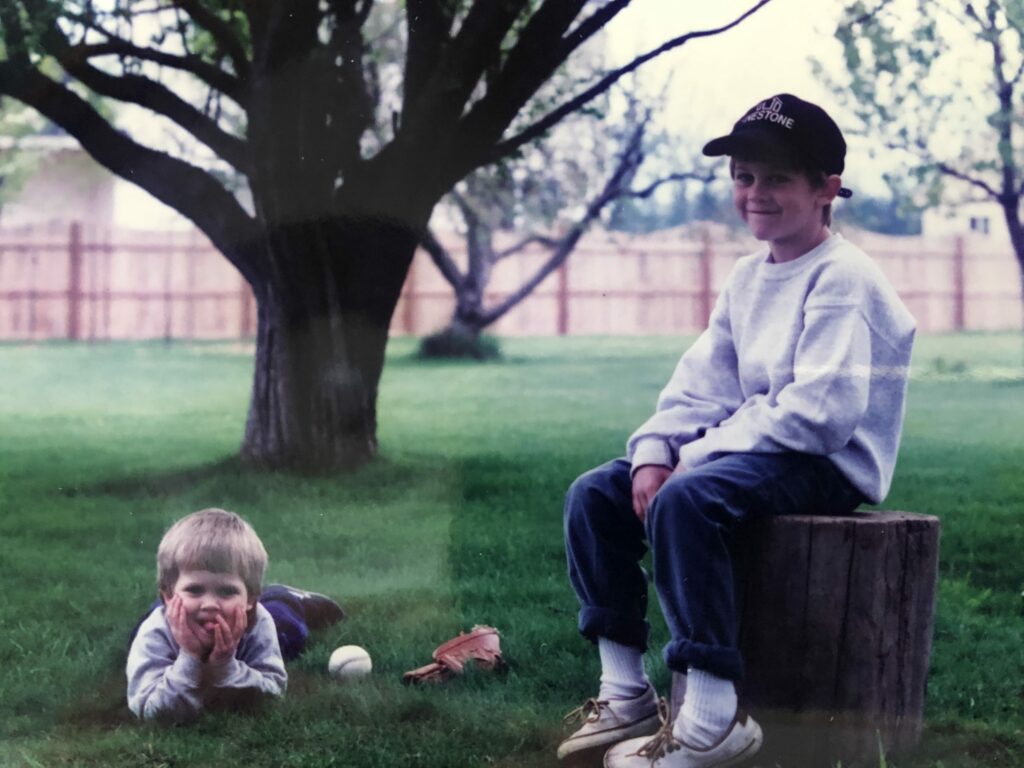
[721,662]
[606,622]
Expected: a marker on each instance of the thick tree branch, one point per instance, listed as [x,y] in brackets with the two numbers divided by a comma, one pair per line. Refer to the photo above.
[428,25]
[184,187]
[442,259]
[136,89]
[349,93]
[538,52]
[222,33]
[475,49]
[213,76]
[591,26]
[507,147]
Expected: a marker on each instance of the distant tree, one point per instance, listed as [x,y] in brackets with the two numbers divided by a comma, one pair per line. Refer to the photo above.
[342,183]
[942,82]
[895,214]
[569,188]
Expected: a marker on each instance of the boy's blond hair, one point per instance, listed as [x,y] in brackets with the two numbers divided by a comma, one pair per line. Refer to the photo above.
[212,540]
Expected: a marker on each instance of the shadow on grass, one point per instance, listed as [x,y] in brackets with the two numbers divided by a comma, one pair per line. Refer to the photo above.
[236,472]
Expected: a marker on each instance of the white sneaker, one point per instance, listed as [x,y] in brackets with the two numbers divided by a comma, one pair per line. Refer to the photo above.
[741,741]
[609,722]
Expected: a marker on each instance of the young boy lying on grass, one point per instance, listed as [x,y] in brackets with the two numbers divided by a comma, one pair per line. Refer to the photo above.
[209,643]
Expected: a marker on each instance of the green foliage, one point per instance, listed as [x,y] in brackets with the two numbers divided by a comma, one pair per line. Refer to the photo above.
[458,523]
[939,85]
[16,166]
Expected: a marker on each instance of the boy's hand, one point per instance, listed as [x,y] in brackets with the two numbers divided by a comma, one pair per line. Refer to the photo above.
[646,482]
[184,635]
[227,634]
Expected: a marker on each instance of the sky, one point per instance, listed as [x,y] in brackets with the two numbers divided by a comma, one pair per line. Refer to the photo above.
[712,81]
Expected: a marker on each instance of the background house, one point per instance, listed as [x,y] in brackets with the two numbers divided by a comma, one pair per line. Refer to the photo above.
[63,184]
[976,218]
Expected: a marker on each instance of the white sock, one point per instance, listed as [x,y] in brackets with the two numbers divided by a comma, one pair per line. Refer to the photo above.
[708,709]
[622,670]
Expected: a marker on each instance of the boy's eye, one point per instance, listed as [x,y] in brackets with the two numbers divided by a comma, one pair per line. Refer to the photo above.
[227,591]
[194,589]
[744,178]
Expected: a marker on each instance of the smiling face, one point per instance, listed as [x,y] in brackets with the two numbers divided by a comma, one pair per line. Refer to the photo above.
[781,206]
[206,595]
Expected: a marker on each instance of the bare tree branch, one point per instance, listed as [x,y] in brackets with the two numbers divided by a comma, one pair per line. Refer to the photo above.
[507,147]
[629,161]
[441,258]
[144,92]
[184,187]
[222,33]
[972,180]
[512,250]
[647,191]
[867,16]
[212,75]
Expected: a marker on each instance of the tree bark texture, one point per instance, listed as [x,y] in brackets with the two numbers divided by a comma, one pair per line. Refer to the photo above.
[836,633]
[322,330]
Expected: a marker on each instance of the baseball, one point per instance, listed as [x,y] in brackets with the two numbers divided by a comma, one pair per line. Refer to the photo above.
[349,662]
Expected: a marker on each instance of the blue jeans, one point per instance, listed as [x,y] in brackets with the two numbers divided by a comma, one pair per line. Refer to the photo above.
[690,527]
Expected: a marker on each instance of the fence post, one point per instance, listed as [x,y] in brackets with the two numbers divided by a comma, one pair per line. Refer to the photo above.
[706,255]
[959,294]
[168,305]
[190,281]
[74,280]
[563,298]
[409,291]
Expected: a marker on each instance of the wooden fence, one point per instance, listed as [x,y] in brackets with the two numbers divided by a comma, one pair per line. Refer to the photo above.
[69,283]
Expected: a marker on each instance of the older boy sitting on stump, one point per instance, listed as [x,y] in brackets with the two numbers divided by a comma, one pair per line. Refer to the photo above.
[791,402]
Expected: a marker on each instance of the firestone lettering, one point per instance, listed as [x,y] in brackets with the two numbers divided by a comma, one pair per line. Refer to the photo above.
[771,116]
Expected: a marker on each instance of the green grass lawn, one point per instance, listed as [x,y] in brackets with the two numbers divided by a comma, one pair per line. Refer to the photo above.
[458,522]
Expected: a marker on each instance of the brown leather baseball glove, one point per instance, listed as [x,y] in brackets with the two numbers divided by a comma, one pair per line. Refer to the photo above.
[481,644]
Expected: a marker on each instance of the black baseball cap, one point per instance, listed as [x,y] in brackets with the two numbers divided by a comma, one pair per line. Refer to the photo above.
[788,124]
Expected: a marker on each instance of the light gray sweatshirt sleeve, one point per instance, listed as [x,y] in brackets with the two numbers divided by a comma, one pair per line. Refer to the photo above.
[704,390]
[165,683]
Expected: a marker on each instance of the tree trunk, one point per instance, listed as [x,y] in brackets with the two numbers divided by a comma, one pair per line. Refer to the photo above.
[323,326]
[1013,224]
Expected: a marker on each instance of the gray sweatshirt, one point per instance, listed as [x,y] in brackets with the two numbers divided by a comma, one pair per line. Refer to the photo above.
[810,355]
[166,684]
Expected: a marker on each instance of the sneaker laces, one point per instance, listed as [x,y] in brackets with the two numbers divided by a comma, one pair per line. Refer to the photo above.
[663,741]
[588,712]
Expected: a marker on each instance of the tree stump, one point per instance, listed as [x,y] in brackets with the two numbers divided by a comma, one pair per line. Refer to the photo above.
[836,631]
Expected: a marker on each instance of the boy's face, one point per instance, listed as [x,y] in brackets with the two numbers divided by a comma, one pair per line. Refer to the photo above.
[206,595]
[781,206]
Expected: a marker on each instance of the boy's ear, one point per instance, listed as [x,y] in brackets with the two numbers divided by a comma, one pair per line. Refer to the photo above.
[165,597]
[831,188]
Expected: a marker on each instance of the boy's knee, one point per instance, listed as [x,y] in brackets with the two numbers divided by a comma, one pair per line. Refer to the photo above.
[688,500]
